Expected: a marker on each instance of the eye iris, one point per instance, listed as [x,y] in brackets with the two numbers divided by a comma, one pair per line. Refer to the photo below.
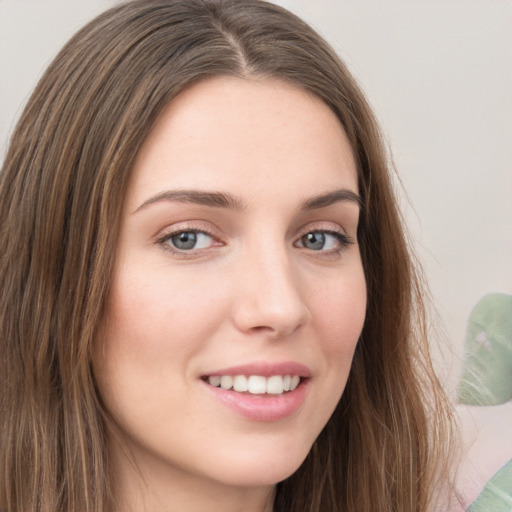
[314,241]
[185,240]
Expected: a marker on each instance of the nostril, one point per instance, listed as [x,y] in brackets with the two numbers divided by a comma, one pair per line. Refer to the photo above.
[262,328]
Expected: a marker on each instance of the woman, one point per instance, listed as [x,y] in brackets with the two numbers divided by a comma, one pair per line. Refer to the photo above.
[208,299]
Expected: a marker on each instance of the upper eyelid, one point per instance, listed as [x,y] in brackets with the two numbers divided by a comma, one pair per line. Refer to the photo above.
[321,225]
[166,235]
[196,226]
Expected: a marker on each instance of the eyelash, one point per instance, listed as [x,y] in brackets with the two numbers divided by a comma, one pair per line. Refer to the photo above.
[163,242]
[344,242]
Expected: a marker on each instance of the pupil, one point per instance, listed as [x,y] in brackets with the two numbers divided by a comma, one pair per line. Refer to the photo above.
[314,241]
[185,241]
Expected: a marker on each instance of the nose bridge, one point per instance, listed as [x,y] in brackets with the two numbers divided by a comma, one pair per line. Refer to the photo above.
[270,298]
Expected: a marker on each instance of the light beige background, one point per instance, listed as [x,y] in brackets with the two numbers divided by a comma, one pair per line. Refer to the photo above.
[439,75]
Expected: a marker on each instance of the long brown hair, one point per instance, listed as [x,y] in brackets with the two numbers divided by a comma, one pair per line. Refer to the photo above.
[61,192]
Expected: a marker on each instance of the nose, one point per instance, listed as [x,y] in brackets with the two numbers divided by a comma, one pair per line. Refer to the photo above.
[269,298]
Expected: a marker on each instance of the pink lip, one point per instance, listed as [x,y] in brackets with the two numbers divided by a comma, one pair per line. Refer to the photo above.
[265,369]
[264,408]
[261,407]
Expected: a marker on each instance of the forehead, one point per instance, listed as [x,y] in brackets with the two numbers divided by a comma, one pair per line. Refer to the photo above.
[244,135]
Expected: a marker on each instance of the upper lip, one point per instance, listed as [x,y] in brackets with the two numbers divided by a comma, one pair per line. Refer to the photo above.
[265,369]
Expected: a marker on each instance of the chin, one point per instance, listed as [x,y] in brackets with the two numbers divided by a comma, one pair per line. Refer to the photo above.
[262,467]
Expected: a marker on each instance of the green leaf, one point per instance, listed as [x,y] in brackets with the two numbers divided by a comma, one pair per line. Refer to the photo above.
[496,496]
[487,373]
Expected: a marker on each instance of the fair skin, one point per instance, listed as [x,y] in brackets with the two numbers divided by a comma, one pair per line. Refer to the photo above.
[237,255]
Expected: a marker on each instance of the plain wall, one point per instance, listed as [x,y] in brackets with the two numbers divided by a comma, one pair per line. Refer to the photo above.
[439,76]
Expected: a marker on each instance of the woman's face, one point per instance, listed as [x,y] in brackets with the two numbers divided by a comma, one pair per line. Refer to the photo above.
[237,264]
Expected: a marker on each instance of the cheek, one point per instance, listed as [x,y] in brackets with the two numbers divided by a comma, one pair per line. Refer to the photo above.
[339,313]
[149,335]
[155,316]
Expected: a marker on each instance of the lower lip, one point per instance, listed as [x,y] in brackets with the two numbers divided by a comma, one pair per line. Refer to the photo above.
[262,407]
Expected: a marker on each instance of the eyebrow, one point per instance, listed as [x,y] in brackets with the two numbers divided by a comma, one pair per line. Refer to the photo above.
[330,198]
[214,199]
[230,202]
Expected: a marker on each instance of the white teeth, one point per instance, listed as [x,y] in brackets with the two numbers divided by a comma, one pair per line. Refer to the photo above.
[275,385]
[226,382]
[240,383]
[214,381]
[256,384]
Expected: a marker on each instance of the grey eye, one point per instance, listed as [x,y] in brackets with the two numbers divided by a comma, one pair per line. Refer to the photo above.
[323,240]
[184,241]
[187,241]
[314,241]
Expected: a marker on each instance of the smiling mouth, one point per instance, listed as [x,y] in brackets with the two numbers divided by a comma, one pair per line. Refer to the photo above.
[255,384]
